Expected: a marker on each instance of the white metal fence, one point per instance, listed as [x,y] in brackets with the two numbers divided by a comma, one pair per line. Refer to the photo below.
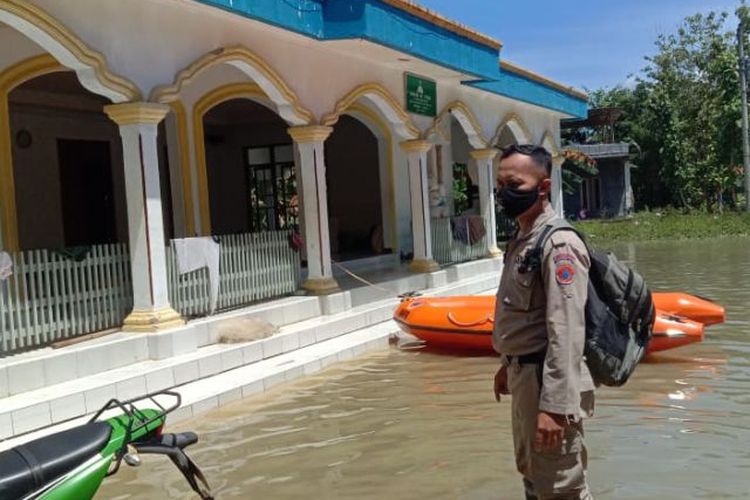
[253,267]
[446,248]
[51,297]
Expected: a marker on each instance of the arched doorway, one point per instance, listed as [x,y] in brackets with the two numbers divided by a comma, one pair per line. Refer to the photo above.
[249,199]
[374,106]
[465,179]
[250,169]
[74,273]
[353,175]
[453,175]
[461,198]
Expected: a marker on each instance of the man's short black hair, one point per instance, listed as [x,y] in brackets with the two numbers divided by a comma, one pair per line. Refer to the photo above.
[539,154]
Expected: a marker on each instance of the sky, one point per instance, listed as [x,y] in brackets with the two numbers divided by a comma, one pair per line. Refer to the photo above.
[585,43]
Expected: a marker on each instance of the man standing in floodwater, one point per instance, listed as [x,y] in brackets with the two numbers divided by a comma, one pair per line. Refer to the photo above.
[540,333]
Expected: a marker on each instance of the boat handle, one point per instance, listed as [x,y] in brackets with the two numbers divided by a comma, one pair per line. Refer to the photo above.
[488,319]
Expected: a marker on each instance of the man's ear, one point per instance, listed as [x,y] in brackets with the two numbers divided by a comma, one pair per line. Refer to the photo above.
[545,187]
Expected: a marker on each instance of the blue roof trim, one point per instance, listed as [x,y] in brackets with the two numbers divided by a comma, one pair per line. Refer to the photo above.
[389,26]
[523,89]
[383,24]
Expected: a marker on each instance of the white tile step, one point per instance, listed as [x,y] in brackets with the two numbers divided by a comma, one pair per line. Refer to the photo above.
[213,392]
[220,389]
[57,403]
[25,372]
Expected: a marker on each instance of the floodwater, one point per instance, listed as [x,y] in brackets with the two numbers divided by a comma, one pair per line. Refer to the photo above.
[410,424]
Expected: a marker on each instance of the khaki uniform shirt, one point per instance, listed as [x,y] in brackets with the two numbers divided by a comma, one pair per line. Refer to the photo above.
[544,309]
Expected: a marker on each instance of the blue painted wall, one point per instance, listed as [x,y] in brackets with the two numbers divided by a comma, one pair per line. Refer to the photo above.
[383,24]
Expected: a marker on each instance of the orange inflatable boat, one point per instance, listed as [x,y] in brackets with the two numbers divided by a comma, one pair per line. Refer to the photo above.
[465,323]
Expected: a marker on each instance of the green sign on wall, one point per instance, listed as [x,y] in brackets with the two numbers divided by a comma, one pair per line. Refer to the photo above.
[421,95]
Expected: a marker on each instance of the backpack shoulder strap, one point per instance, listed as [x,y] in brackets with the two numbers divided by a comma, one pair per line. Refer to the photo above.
[551,228]
[534,258]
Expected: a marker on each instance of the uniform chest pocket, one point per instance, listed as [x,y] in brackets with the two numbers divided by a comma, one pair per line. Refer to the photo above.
[521,290]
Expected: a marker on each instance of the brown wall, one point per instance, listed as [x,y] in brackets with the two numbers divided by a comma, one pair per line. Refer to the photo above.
[37,175]
[227,170]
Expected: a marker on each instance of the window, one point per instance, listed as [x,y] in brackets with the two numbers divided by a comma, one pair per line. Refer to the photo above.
[273,188]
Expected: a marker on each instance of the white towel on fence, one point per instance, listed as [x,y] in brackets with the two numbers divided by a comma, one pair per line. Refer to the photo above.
[197,253]
[6,266]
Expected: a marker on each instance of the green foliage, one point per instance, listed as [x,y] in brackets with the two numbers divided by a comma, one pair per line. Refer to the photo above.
[666,225]
[682,115]
[461,184]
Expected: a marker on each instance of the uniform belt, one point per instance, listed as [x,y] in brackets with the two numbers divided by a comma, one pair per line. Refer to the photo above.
[535,358]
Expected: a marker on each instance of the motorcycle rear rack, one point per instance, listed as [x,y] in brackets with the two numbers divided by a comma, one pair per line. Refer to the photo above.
[129,408]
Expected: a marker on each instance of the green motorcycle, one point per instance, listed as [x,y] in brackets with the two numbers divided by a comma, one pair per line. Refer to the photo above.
[72,464]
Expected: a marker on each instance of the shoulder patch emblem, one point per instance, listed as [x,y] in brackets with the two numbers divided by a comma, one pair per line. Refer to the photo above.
[565,273]
[564,270]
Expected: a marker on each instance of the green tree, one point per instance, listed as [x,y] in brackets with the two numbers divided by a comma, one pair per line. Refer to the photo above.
[682,116]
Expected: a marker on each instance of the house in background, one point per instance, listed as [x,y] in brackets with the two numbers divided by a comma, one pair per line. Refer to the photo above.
[607,193]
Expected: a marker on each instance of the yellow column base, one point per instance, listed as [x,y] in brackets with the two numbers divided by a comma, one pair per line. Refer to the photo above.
[321,286]
[423,266]
[152,321]
[495,252]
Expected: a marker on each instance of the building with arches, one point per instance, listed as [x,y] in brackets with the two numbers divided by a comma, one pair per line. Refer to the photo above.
[287,130]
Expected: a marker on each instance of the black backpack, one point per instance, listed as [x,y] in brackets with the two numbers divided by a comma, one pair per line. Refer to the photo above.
[619,312]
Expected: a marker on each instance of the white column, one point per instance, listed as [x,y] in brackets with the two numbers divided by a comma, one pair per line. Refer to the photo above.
[416,157]
[138,128]
[486,177]
[312,190]
[557,184]
[628,207]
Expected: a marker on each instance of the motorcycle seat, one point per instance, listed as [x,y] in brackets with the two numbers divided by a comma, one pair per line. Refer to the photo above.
[30,466]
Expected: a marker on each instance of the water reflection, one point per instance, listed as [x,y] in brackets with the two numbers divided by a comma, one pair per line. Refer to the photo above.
[418,424]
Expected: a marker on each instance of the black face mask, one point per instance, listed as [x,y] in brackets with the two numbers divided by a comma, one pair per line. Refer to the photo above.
[516,201]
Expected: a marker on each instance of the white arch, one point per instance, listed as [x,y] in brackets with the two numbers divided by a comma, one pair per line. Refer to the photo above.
[517,127]
[385,103]
[466,118]
[68,49]
[285,101]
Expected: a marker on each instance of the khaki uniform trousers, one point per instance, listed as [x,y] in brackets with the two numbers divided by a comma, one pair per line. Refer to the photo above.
[558,474]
